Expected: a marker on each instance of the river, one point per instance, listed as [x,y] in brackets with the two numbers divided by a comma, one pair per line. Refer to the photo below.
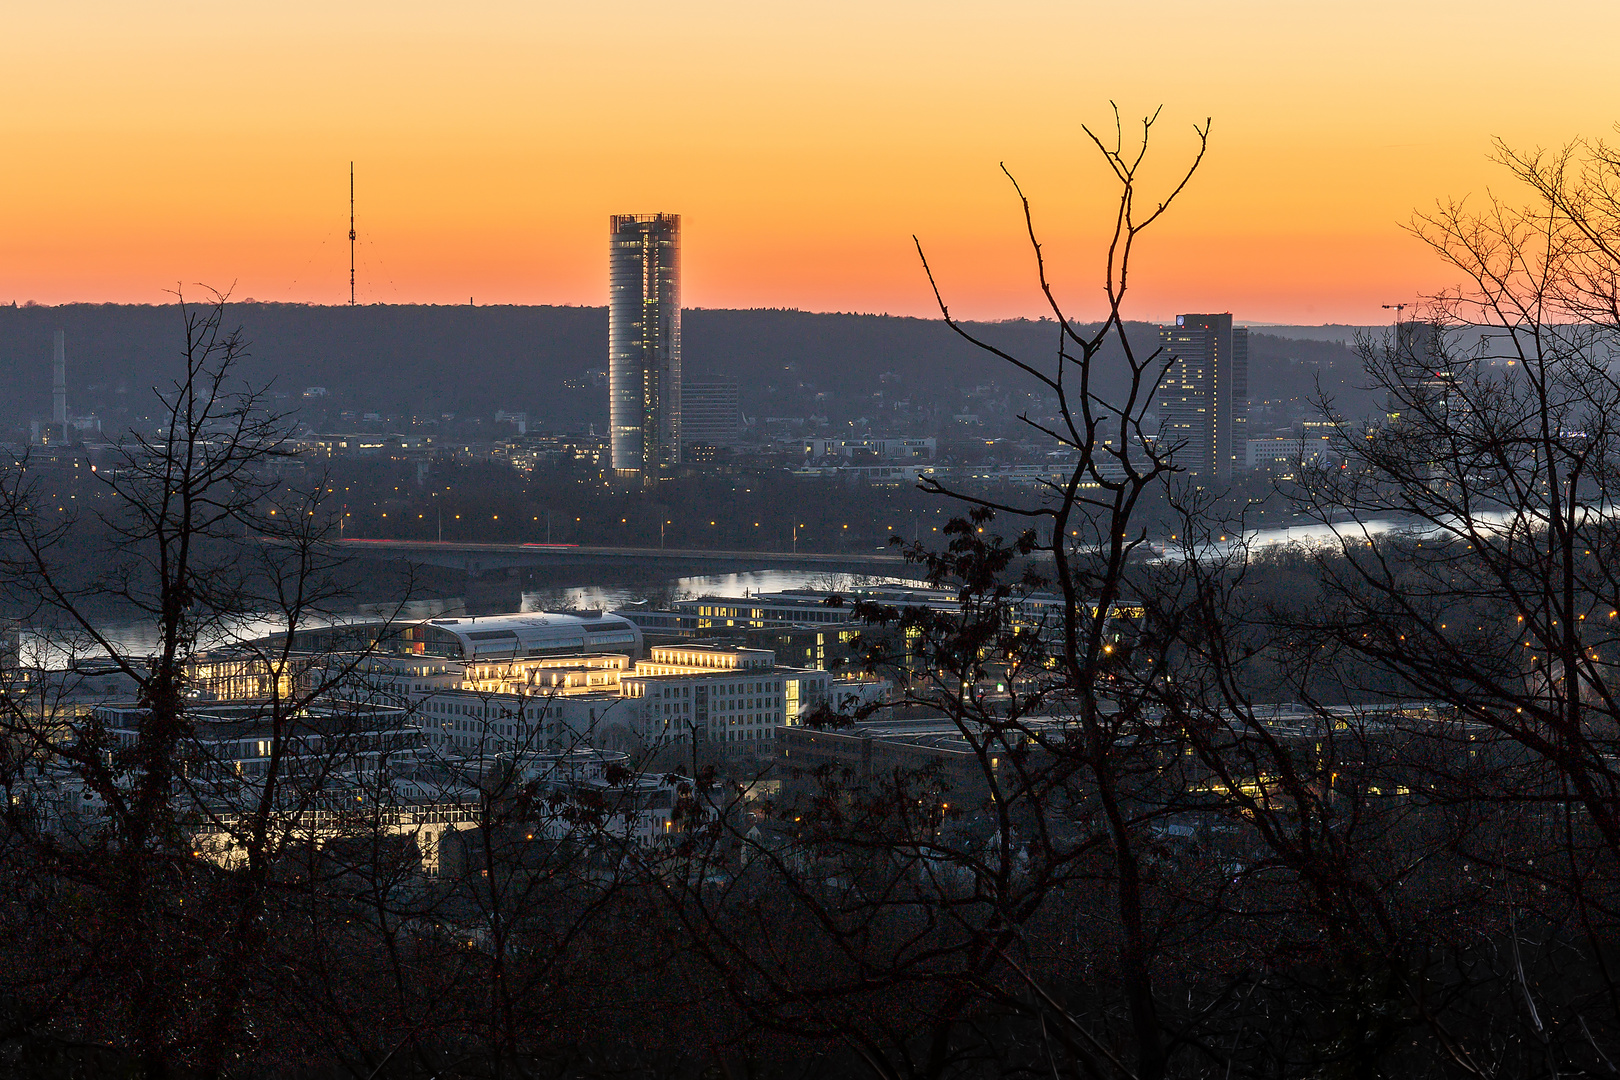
[139,638]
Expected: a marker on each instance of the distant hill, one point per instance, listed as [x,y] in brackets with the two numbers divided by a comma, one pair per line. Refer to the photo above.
[1340,332]
[1300,370]
[429,360]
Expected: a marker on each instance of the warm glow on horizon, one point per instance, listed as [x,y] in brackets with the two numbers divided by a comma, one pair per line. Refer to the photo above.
[152,144]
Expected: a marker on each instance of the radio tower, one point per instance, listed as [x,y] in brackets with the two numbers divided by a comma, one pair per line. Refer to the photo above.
[351,234]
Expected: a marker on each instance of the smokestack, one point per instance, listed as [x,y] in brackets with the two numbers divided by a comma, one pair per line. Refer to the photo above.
[59,381]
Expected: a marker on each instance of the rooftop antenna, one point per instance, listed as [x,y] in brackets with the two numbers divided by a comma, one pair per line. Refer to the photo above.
[351,234]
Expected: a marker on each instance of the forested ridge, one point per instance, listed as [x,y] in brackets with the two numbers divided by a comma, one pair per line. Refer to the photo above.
[430,359]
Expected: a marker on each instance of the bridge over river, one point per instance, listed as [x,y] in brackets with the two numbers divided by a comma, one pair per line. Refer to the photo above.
[480,559]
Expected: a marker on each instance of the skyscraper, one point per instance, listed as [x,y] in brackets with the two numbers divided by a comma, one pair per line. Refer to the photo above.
[644,343]
[1204,400]
[1425,374]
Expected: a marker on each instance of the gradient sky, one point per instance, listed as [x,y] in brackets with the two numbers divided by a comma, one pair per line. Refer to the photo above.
[146,144]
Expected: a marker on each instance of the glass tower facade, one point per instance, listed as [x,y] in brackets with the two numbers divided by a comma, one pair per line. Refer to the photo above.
[1204,399]
[644,343]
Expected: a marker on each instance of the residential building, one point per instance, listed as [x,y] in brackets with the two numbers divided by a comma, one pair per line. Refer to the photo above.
[590,799]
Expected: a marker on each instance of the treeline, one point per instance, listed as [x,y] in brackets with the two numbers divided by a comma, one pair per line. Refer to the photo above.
[407,360]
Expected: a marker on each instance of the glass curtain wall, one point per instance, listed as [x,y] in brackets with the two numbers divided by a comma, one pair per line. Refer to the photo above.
[644,343]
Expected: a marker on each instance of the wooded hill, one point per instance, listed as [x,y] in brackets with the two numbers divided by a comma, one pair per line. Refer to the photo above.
[428,360]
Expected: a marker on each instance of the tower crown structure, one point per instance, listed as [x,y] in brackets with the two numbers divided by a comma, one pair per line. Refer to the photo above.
[644,343]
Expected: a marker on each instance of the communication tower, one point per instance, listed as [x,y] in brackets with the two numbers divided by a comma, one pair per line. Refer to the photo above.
[351,234]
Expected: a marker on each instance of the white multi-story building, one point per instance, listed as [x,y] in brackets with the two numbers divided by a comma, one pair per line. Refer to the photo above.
[722,695]
[676,695]
[482,723]
[386,679]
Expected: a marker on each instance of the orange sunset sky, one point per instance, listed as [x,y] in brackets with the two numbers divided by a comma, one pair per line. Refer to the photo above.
[151,143]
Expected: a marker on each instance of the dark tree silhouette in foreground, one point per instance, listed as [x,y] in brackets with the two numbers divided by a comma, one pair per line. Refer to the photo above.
[123,934]
[1497,596]
[922,906]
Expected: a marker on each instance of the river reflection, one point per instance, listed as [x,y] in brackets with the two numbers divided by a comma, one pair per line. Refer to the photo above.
[610,596]
[1359,531]
[140,638]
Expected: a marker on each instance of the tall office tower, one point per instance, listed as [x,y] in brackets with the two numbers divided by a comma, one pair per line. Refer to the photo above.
[1425,371]
[711,413]
[644,343]
[1204,401]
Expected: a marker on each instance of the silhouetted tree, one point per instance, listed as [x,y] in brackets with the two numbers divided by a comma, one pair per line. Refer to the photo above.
[130,933]
[1455,838]
[921,904]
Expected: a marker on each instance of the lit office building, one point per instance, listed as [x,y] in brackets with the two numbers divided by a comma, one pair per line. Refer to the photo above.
[678,694]
[1204,400]
[644,343]
[1426,377]
[711,413]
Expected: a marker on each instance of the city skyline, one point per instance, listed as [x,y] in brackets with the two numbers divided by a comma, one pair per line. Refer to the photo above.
[856,630]
[486,156]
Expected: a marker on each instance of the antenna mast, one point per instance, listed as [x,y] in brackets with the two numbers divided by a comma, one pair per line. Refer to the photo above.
[351,234]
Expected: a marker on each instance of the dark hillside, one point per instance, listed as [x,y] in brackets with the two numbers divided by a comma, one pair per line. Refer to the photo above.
[1285,373]
[428,360]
